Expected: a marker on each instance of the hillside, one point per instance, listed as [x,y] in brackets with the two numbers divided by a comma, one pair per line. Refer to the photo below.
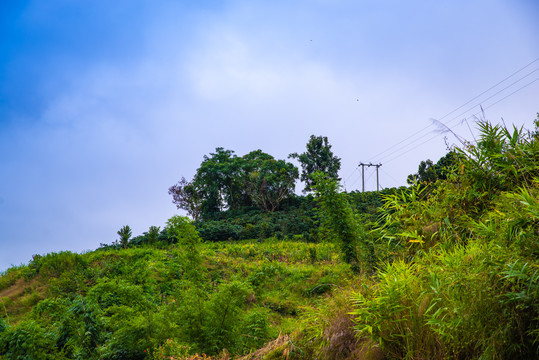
[448,268]
[127,303]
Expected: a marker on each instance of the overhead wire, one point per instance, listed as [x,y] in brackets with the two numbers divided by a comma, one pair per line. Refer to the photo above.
[496,93]
[472,116]
[379,157]
[463,113]
[366,180]
[400,149]
[388,174]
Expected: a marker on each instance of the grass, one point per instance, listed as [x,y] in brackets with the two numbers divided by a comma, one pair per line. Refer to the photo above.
[286,279]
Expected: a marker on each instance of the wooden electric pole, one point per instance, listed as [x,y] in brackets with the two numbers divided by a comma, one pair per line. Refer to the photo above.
[363,175]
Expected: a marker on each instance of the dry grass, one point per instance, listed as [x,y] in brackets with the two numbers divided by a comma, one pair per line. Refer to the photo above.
[343,344]
[16,299]
[367,350]
[279,348]
[15,290]
[340,337]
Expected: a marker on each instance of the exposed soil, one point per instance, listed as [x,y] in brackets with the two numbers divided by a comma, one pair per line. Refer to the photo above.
[17,289]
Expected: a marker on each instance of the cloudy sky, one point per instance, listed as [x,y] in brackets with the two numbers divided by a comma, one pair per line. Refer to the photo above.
[105,104]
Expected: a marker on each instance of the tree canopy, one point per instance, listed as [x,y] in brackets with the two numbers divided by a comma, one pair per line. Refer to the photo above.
[318,157]
[225,181]
[428,172]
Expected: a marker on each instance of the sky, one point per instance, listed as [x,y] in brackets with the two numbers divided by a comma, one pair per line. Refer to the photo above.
[106,104]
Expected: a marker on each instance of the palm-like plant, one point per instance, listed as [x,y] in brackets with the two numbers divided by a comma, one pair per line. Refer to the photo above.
[152,234]
[125,235]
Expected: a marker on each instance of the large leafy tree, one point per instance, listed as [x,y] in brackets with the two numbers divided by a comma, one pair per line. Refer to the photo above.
[215,187]
[268,181]
[318,157]
[225,181]
[219,181]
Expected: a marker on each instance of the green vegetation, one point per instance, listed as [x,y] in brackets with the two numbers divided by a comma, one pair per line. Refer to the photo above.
[464,282]
[225,181]
[447,268]
[125,234]
[428,172]
[317,158]
[337,217]
[191,297]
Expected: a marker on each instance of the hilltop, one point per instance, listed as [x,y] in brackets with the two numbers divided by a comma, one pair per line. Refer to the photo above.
[447,268]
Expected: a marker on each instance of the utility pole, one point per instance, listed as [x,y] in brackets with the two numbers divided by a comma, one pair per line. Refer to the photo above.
[363,175]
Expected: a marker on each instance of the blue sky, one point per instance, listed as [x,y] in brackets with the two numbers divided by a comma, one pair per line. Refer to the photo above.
[104,105]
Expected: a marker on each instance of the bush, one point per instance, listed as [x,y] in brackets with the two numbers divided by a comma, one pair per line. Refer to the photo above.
[219,231]
[55,264]
[462,278]
[225,310]
[255,330]
[27,341]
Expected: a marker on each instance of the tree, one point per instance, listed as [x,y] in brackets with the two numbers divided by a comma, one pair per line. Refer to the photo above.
[125,235]
[153,234]
[318,157]
[268,181]
[186,196]
[218,180]
[214,187]
[428,172]
[186,234]
[225,181]
[337,216]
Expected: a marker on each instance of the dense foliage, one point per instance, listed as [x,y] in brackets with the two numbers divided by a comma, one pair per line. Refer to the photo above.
[429,172]
[249,197]
[225,181]
[148,303]
[318,157]
[464,282]
[447,268]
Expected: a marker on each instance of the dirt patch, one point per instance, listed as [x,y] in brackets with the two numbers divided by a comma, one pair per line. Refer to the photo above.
[17,289]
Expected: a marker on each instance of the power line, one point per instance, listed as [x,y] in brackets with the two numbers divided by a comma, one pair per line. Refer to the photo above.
[463,113]
[388,174]
[401,148]
[505,97]
[498,92]
[458,116]
[474,115]
[348,178]
[490,88]
[460,107]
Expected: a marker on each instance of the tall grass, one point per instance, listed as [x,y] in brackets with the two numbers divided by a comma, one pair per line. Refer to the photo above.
[464,283]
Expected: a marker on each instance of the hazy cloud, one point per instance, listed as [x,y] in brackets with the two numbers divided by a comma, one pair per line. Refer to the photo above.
[104,106]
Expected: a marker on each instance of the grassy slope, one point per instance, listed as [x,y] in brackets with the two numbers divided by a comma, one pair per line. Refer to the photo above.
[460,280]
[286,279]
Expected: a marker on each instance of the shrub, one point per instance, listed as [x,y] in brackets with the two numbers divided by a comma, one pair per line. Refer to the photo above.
[255,330]
[336,216]
[55,264]
[219,231]
[225,311]
[27,340]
